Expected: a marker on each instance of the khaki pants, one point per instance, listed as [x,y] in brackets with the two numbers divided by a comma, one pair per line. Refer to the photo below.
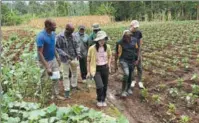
[46,78]
[72,65]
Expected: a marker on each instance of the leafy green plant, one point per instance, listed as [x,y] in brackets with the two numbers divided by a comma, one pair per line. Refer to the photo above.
[144,94]
[190,99]
[195,89]
[185,119]
[156,98]
[162,86]
[180,82]
[173,92]
[171,108]
[31,112]
[195,77]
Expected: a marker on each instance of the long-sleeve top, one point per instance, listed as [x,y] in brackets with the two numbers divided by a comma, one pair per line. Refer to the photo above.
[67,47]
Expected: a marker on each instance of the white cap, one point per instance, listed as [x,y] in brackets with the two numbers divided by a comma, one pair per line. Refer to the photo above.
[135,23]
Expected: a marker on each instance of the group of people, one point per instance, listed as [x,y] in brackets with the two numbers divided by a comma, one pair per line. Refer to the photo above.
[68,50]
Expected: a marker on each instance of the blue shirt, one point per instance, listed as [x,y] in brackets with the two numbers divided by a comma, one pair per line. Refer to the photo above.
[47,41]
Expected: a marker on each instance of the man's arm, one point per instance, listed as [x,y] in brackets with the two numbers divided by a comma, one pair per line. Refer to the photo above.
[41,57]
[57,57]
[57,45]
[140,47]
[116,56]
[77,47]
[88,63]
[138,54]
[141,41]
[109,60]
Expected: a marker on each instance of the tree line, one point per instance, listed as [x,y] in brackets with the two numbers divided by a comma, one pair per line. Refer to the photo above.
[14,13]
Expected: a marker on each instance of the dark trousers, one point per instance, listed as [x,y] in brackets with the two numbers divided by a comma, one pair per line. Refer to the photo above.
[83,67]
[101,81]
[127,68]
[139,71]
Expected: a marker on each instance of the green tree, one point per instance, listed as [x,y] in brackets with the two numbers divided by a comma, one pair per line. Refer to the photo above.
[21,7]
[35,8]
[122,10]
[61,8]
[106,9]
[48,9]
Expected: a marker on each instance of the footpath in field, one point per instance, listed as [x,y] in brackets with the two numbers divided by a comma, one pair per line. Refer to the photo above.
[132,107]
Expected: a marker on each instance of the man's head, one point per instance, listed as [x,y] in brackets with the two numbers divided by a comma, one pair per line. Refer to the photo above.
[126,36]
[82,29]
[69,29]
[96,27]
[134,25]
[50,25]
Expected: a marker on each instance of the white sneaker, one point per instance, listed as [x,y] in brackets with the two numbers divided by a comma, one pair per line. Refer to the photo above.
[130,91]
[104,104]
[99,104]
[141,85]
[124,94]
[133,84]
[84,81]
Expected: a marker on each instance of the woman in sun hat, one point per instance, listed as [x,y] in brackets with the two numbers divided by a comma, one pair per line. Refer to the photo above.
[98,65]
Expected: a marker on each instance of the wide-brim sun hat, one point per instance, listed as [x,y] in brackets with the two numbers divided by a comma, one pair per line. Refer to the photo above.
[135,23]
[101,35]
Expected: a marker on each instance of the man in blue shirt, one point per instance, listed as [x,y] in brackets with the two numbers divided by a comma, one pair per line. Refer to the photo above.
[47,54]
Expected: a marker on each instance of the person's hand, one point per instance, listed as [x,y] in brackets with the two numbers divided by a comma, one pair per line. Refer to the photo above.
[78,58]
[109,69]
[136,62]
[49,71]
[59,62]
[88,75]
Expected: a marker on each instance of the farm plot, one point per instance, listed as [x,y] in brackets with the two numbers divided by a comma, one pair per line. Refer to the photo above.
[170,73]
[21,82]
[170,64]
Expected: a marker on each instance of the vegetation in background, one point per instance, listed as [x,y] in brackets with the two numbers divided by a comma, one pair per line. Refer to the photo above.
[16,12]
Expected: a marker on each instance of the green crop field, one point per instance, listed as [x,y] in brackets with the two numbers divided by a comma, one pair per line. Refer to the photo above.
[170,55]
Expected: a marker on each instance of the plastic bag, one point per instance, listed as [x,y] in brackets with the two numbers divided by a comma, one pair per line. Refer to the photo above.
[55,75]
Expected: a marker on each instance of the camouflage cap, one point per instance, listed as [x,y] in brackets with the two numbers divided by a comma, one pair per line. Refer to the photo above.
[81,27]
[96,26]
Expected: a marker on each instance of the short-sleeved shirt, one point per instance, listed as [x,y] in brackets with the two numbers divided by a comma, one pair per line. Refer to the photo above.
[128,52]
[47,41]
[91,39]
[137,34]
